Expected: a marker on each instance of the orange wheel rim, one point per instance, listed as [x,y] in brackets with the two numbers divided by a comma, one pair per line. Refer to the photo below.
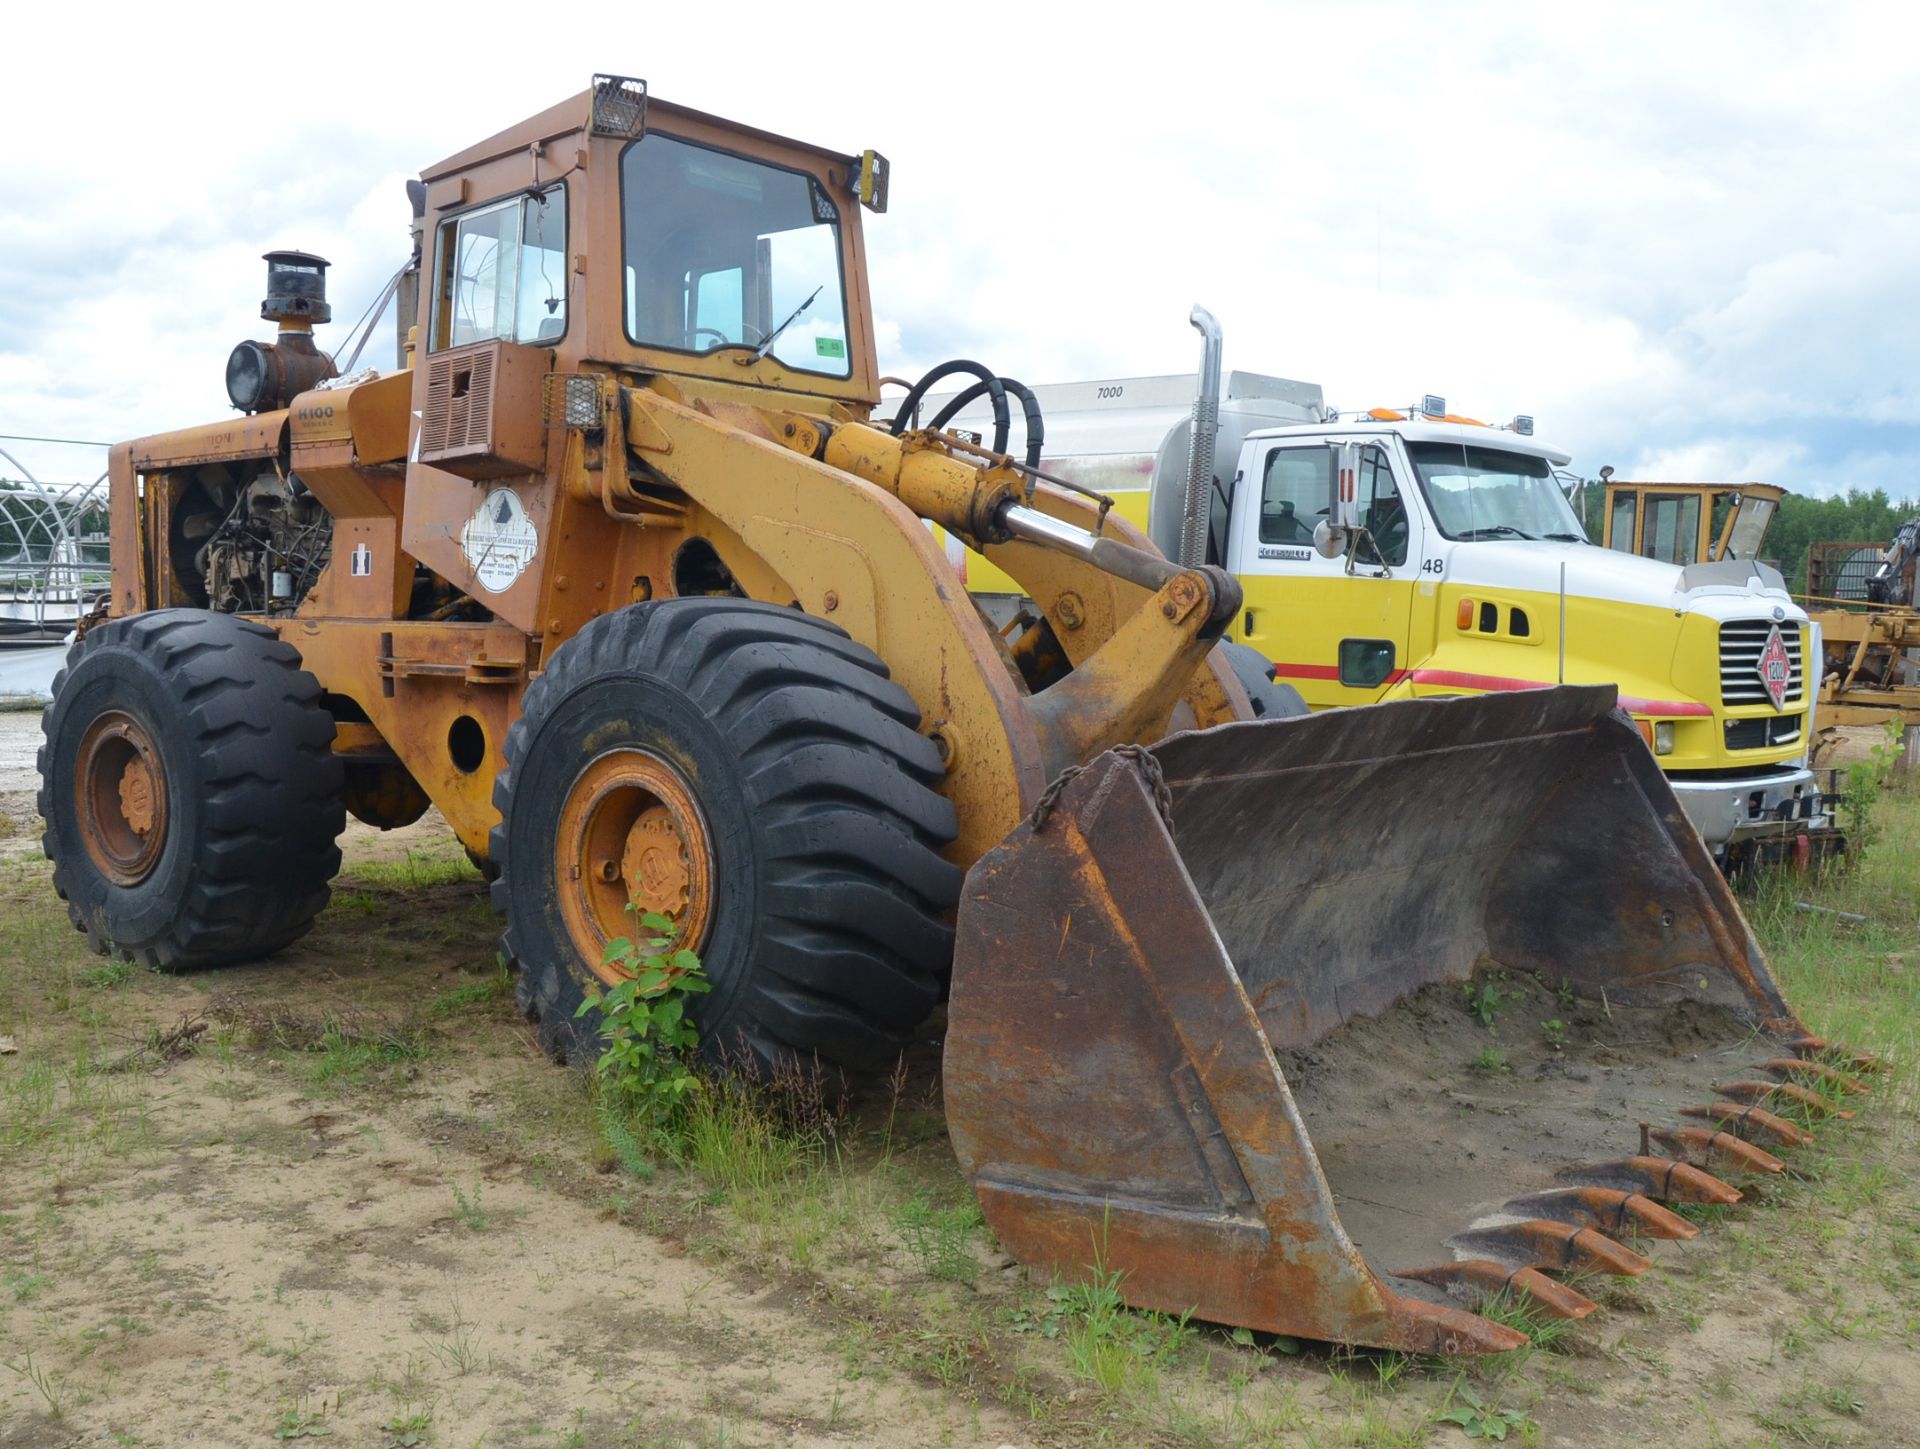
[120,798]
[631,834]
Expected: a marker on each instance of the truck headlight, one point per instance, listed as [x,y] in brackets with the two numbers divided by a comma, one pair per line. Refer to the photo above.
[1663,737]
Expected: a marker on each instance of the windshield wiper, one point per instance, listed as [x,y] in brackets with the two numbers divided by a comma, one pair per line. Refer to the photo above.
[1496,530]
[772,337]
[1564,537]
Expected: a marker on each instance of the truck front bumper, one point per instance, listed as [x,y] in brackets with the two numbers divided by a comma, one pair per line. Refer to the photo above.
[1729,809]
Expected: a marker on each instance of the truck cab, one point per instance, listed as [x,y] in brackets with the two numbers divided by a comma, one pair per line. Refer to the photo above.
[1466,571]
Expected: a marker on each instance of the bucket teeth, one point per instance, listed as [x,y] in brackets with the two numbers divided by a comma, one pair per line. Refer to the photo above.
[1797,1069]
[1759,1093]
[1750,1122]
[1484,1278]
[1706,1142]
[1559,1247]
[1606,1208]
[1660,1178]
[1809,1046]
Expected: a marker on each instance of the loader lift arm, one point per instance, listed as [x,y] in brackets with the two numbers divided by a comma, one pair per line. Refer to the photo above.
[835,512]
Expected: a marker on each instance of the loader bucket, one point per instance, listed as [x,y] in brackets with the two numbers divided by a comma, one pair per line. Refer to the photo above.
[1332,1026]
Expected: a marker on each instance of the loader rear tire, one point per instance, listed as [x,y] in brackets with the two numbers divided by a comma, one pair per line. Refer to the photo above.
[764,781]
[190,790]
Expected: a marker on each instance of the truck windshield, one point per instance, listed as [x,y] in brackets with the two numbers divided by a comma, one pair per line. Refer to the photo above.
[1493,493]
[720,251]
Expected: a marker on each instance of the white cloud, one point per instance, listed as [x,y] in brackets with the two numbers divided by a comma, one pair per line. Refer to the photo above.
[1676,234]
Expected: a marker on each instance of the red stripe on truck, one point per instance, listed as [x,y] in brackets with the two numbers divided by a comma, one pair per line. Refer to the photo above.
[1491,683]
[1632,704]
[1325,671]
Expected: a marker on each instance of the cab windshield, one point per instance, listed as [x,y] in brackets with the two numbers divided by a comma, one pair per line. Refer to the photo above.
[726,253]
[1749,527]
[1492,493]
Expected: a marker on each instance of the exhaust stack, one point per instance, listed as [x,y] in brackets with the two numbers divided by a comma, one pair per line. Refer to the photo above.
[1200,444]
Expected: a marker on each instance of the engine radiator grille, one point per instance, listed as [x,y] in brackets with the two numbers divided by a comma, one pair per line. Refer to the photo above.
[1742,642]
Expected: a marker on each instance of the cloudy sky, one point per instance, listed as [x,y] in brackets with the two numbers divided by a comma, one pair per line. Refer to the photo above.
[1685,237]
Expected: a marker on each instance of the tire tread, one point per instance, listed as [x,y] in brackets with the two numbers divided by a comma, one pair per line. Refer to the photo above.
[840,784]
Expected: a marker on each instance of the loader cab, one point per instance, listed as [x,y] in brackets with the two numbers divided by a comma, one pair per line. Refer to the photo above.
[617,232]
[1689,523]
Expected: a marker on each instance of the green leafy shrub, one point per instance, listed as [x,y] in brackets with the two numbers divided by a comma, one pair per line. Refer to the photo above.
[647,1065]
[1865,781]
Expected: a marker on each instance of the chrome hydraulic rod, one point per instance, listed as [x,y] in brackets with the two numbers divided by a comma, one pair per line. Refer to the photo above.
[1135,565]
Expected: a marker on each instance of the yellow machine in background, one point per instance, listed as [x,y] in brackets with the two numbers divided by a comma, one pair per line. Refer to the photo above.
[1860,596]
[625,576]
[1689,523]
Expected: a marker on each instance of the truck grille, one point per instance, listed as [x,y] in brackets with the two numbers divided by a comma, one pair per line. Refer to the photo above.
[1764,732]
[1741,643]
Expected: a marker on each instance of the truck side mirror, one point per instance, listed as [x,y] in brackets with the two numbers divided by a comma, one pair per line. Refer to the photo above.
[1333,535]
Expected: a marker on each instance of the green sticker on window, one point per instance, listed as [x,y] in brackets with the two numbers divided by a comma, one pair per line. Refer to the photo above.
[829,347]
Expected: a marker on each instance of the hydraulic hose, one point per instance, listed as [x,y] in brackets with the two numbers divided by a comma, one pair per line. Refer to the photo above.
[1029,404]
[995,390]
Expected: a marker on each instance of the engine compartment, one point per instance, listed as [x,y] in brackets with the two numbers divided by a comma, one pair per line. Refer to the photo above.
[248,538]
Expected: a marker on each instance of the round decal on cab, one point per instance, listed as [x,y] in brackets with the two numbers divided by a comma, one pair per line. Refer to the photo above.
[499,540]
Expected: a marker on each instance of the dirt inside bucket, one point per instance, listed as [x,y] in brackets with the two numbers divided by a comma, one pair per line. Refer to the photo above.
[1429,1119]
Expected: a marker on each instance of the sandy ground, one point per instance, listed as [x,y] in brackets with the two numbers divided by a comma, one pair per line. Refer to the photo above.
[20,739]
[216,1250]
[220,1249]
[265,1254]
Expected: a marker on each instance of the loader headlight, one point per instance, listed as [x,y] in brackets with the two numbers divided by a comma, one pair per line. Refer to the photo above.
[1663,737]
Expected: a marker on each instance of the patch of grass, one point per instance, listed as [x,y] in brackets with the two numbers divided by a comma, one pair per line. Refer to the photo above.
[457,1350]
[45,1384]
[496,986]
[941,1239]
[406,1431]
[771,1153]
[347,1059]
[420,869]
[108,974]
[68,1113]
[620,1138]
[1118,1348]
[738,1138]
[1491,1059]
[360,903]
[468,1211]
[331,1051]
[24,1286]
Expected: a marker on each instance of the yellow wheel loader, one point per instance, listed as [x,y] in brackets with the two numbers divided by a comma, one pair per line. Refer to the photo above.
[624,575]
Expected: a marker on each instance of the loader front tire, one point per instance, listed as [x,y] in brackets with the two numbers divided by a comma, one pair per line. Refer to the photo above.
[190,790]
[1271,699]
[753,773]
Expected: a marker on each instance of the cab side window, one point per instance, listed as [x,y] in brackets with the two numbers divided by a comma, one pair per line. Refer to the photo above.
[502,272]
[1620,528]
[1293,494]
[1382,513]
